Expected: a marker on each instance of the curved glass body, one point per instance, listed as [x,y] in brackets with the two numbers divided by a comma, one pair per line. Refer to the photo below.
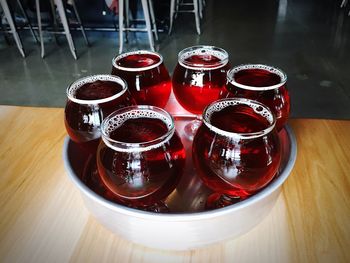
[89,101]
[200,77]
[141,158]
[146,75]
[262,83]
[236,151]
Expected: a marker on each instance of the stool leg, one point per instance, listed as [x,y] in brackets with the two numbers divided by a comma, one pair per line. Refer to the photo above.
[200,8]
[172,11]
[343,3]
[24,12]
[10,20]
[38,15]
[54,19]
[148,23]
[127,20]
[196,14]
[177,6]
[5,34]
[153,19]
[121,25]
[80,23]
[62,13]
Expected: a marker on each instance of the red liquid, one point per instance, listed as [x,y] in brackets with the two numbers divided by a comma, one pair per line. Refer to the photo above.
[149,86]
[236,168]
[276,99]
[194,89]
[257,78]
[83,121]
[98,90]
[141,179]
[206,60]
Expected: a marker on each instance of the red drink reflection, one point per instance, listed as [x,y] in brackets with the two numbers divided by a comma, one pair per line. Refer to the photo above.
[90,100]
[200,77]
[236,151]
[262,83]
[147,78]
[141,158]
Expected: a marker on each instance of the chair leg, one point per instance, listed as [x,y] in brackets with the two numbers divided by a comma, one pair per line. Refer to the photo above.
[121,25]
[5,34]
[24,12]
[196,14]
[153,19]
[172,11]
[54,19]
[62,13]
[148,23]
[80,23]
[200,6]
[343,3]
[177,6]
[127,20]
[10,20]
[38,15]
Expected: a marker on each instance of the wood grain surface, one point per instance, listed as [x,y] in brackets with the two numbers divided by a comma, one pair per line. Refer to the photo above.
[43,218]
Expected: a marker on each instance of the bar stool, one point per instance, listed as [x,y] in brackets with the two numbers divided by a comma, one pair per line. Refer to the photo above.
[124,26]
[63,17]
[197,11]
[11,22]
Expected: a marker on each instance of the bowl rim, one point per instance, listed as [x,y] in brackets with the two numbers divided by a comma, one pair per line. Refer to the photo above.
[184,217]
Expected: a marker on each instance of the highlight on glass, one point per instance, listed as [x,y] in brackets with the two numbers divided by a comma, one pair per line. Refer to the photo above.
[146,75]
[89,101]
[263,83]
[141,157]
[199,78]
[236,151]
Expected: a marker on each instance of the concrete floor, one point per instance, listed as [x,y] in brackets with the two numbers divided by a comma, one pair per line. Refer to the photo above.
[309,40]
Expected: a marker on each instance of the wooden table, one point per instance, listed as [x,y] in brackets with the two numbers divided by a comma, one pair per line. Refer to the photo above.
[43,218]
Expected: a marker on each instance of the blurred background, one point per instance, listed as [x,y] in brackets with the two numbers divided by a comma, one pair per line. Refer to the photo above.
[308,39]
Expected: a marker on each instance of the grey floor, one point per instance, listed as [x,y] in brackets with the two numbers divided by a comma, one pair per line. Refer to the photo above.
[309,40]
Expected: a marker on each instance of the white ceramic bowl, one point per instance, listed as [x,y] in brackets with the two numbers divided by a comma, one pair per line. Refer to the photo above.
[187,229]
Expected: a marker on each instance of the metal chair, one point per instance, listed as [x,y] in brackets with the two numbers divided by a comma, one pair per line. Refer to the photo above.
[175,8]
[61,8]
[12,25]
[124,24]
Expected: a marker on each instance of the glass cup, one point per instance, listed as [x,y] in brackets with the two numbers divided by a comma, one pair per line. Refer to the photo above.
[263,83]
[141,158]
[89,101]
[199,79]
[236,151]
[146,75]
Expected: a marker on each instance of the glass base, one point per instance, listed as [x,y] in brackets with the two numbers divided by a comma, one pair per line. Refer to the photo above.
[191,128]
[217,200]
